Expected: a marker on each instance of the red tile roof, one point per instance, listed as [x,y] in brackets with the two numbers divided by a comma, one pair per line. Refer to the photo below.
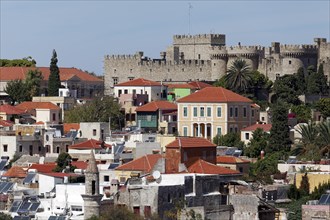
[11,110]
[68,126]
[12,73]
[201,166]
[231,160]
[145,163]
[157,105]
[90,144]
[199,84]
[214,94]
[265,127]
[187,142]
[5,123]
[43,168]
[60,175]
[27,106]
[180,86]
[80,164]
[15,172]
[139,82]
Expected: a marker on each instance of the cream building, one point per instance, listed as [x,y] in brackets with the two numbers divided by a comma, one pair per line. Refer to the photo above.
[215,110]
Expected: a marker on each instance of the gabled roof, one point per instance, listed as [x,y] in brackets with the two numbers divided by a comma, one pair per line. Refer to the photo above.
[157,105]
[145,163]
[12,73]
[201,166]
[231,160]
[68,126]
[265,127]
[15,172]
[214,94]
[187,142]
[139,82]
[199,84]
[11,110]
[27,106]
[43,168]
[88,145]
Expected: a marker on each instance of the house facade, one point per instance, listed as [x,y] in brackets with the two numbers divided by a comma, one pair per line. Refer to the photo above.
[215,110]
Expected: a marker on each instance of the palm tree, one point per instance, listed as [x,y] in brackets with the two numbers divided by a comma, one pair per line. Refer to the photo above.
[324,138]
[307,145]
[238,77]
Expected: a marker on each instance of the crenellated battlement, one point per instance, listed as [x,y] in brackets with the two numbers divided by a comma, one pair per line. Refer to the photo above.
[122,57]
[303,48]
[211,39]
[187,63]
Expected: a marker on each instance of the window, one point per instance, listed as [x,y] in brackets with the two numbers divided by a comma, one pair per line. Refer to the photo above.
[20,148]
[289,62]
[54,116]
[195,111]
[236,111]
[218,130]
[185,131]
[114,70]
[199,56]
[122,179]
[200,70]
[219,112]
[106,178]
[39,148]
[76,208]
[147,212]
[247,136]
[93,187]
[136,210]
[202,111]
[262,118]
[94,132]
[182,69]
[125,91]
[185,111]
[208,111]
[115,80]
[134,91]
[236,129]
[244,112]
[5,148]
[277,75]
[231,112]
[252,113]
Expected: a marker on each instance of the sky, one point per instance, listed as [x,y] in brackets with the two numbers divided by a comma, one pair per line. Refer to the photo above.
[83,32]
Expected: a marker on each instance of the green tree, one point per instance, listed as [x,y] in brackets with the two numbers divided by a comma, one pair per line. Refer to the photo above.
[324,138]
[16,90]
[303,113]
[25,62]
[230,140]
[307,146]
[304,185]
[279,139]
[4,216]
[115,213]
[238,78]
[301,81]
[286,90]
[258,143]
[323,106]
[259,84]
[63,160]
[32,83]
[317,82]
[54,82]
[264,168]
[99,109]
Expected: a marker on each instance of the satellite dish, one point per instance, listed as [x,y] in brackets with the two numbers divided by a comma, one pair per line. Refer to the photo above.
[156,174]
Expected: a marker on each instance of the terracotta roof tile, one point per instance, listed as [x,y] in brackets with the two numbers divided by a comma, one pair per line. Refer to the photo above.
[139,82]
[201,166]
[157,105]
[199,84]
[231,160]
[145,163]
[180,86]
[12,73]
[214,94]
[11,110]
[15,172]
[5,123]
[68,126]
[187,142]
[80,164]
[90,144]
[27,106]
[60,175]
[265,127]
[43,168]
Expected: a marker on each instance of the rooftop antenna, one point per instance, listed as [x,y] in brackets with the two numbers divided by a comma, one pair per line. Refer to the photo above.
[189,8]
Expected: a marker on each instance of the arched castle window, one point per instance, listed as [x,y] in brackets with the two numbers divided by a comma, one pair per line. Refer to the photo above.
[289,62]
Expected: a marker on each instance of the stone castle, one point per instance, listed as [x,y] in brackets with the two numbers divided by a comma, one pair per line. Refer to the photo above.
[206,57]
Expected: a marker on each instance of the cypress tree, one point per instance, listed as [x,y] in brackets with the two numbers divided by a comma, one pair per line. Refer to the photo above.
[279,139]
[54,81]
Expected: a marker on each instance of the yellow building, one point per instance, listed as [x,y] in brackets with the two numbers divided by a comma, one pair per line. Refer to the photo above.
[314,179]
[215,110]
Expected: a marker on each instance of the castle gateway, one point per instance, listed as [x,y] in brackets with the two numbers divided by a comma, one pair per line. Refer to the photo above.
[206,57]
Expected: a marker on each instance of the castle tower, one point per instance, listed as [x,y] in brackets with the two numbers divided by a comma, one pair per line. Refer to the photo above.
[92,196]
[219,59]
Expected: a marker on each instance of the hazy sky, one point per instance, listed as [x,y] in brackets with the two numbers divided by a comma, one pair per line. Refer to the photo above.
[82,32]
